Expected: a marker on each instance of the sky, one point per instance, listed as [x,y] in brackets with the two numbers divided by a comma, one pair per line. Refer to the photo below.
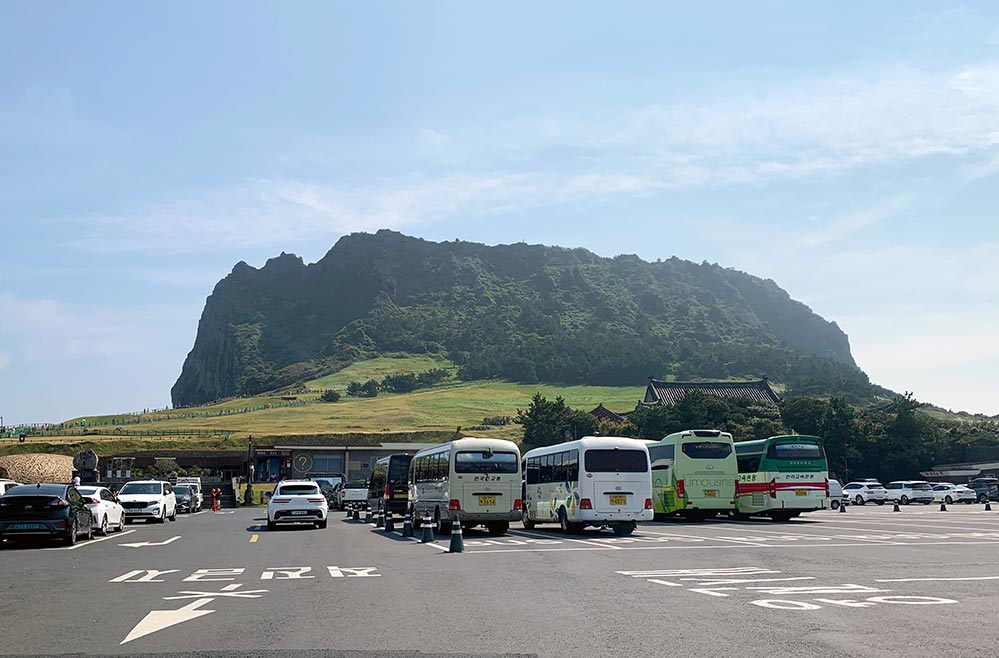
[848,151]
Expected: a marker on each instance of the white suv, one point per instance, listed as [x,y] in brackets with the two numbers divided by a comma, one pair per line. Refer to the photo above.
[148,499]
[7,484]
[865,492]
[910,491]
[297,501]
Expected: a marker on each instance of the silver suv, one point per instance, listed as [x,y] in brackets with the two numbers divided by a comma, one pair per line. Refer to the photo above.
[865,492]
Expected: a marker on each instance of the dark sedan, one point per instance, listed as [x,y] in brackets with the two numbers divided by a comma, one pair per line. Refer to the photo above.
[52,511]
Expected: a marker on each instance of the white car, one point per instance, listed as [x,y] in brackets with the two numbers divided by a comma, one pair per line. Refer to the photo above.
[148,499]
[835,494]
[108,512]
[910,491]
[7,484]
[297,501]
[353,493]
[865,492]
[948,492]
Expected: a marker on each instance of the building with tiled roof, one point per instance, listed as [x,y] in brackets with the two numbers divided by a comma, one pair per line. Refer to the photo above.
[604,413]
[663,393]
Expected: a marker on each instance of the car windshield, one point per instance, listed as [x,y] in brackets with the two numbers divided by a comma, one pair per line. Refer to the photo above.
[941,487]
[142,488]
[181,490]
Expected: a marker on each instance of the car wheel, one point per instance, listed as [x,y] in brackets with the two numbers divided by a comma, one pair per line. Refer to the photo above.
[904,499]
[70,538]
[90,530]
[173,517]
[568,527]
[121,523]
[948,500]
[104,526]
[834,504]
[983,498]
[128,521]
[859,499]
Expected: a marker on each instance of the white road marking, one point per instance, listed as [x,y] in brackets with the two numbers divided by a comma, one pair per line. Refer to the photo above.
[588,542]
[228,591]
[925,580]
[157,620]
[729,546]
[152,543]
[92,541]
[740,542]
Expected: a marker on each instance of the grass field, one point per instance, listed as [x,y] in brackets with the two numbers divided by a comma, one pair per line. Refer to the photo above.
[400,364]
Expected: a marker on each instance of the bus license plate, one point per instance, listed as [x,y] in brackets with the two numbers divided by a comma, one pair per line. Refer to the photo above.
[618,500]
[800,492]
[487,501]
[710,493]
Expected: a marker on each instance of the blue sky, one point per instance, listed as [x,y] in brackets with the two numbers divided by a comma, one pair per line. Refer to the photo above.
[850,152]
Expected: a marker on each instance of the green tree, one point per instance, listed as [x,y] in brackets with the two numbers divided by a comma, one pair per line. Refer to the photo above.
[330,396]
[548,422]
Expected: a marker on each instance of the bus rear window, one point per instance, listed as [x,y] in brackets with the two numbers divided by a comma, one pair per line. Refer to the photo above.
[399,468]
[616,461]
[795,451]
[479,461]
[707,450]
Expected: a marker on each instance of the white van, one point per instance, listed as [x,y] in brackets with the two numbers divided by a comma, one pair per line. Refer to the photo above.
[593,481]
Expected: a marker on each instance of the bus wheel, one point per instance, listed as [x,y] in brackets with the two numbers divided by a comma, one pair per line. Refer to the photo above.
[781,516]
[624,529]
[568,527]
[499,528]
[834,504]
[528,523]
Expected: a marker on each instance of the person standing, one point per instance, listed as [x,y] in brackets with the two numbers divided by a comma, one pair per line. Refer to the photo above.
[215,499]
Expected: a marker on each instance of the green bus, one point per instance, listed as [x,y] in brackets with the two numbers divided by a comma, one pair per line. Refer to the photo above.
[694,474]
[782,476]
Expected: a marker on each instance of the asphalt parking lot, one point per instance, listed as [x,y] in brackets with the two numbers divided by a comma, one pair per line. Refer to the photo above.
[869,582]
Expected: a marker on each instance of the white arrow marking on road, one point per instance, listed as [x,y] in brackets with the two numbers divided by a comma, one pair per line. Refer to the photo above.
[152,543]
[157,620]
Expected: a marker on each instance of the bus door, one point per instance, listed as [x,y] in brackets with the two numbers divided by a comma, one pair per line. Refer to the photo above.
[663,494]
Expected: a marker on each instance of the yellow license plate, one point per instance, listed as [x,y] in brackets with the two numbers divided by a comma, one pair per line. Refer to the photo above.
[487,501]
[618,500]
[710,493]
[800,492]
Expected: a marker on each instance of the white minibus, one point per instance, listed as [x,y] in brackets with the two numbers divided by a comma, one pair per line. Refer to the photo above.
[592,481]
[476,481]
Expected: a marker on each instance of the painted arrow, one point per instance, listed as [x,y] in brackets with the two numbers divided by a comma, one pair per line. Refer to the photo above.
[157,620]
[140,544]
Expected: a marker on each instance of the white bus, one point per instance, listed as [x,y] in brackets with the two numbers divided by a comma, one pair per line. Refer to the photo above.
[476,481]
[593,481]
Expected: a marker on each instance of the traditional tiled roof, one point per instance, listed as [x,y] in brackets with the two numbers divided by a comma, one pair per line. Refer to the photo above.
[603,412]
[669,393]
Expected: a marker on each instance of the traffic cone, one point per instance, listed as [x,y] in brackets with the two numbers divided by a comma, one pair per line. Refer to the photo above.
[988,506]
[407,524]
[896,508]
[367,514]
[389,525]
[457,542]
[842,508]
[357,513]
[943,507]
[379,518]
[428,529]
[347,508]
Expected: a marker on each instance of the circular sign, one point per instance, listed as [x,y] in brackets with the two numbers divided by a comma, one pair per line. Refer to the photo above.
[303,463]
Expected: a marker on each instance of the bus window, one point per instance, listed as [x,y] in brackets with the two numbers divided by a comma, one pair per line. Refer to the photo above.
[572,466]
[795,451]
[533,471]
[616,461]
[707,450]
[485,462]
[657,453]
[749,462]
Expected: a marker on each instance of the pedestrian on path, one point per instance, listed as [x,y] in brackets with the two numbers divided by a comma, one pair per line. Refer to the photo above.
[215,498]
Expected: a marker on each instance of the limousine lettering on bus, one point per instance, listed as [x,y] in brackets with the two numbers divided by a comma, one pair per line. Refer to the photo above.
[707,483]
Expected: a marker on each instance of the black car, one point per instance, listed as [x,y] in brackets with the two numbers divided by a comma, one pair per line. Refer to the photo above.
[986,488]
[184,498]
[50,511]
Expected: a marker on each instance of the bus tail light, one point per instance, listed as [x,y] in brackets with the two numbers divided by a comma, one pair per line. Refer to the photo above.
[517,505]
[585,504]
[648,503]
[454,505]
[681,491]
[827,487]
[773,488]
[388,491]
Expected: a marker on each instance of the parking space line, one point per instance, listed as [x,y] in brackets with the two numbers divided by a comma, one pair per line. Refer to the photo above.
[926,580]
[740,542]
[687,547]
[88,543]
[901,524]
[254,538]
[537,535]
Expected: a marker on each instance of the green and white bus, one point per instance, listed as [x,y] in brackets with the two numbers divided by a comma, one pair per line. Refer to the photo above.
[694,474]
[782,476]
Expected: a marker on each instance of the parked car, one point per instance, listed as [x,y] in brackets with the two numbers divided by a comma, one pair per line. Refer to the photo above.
[948,492]
[197,497]
[297,501]
[835,494]
[865,492]
[7,484]
[186,498]
[986,488]
[53,511]
[148,499]
[108,512]
[910,491]
[353,493]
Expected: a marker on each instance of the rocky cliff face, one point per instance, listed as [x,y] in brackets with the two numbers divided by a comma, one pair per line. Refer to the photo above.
[523,312]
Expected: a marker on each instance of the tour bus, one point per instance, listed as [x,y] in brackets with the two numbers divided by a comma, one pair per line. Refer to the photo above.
[782,476]
[387,488]
[592,481]
[694,474]
[475,481]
